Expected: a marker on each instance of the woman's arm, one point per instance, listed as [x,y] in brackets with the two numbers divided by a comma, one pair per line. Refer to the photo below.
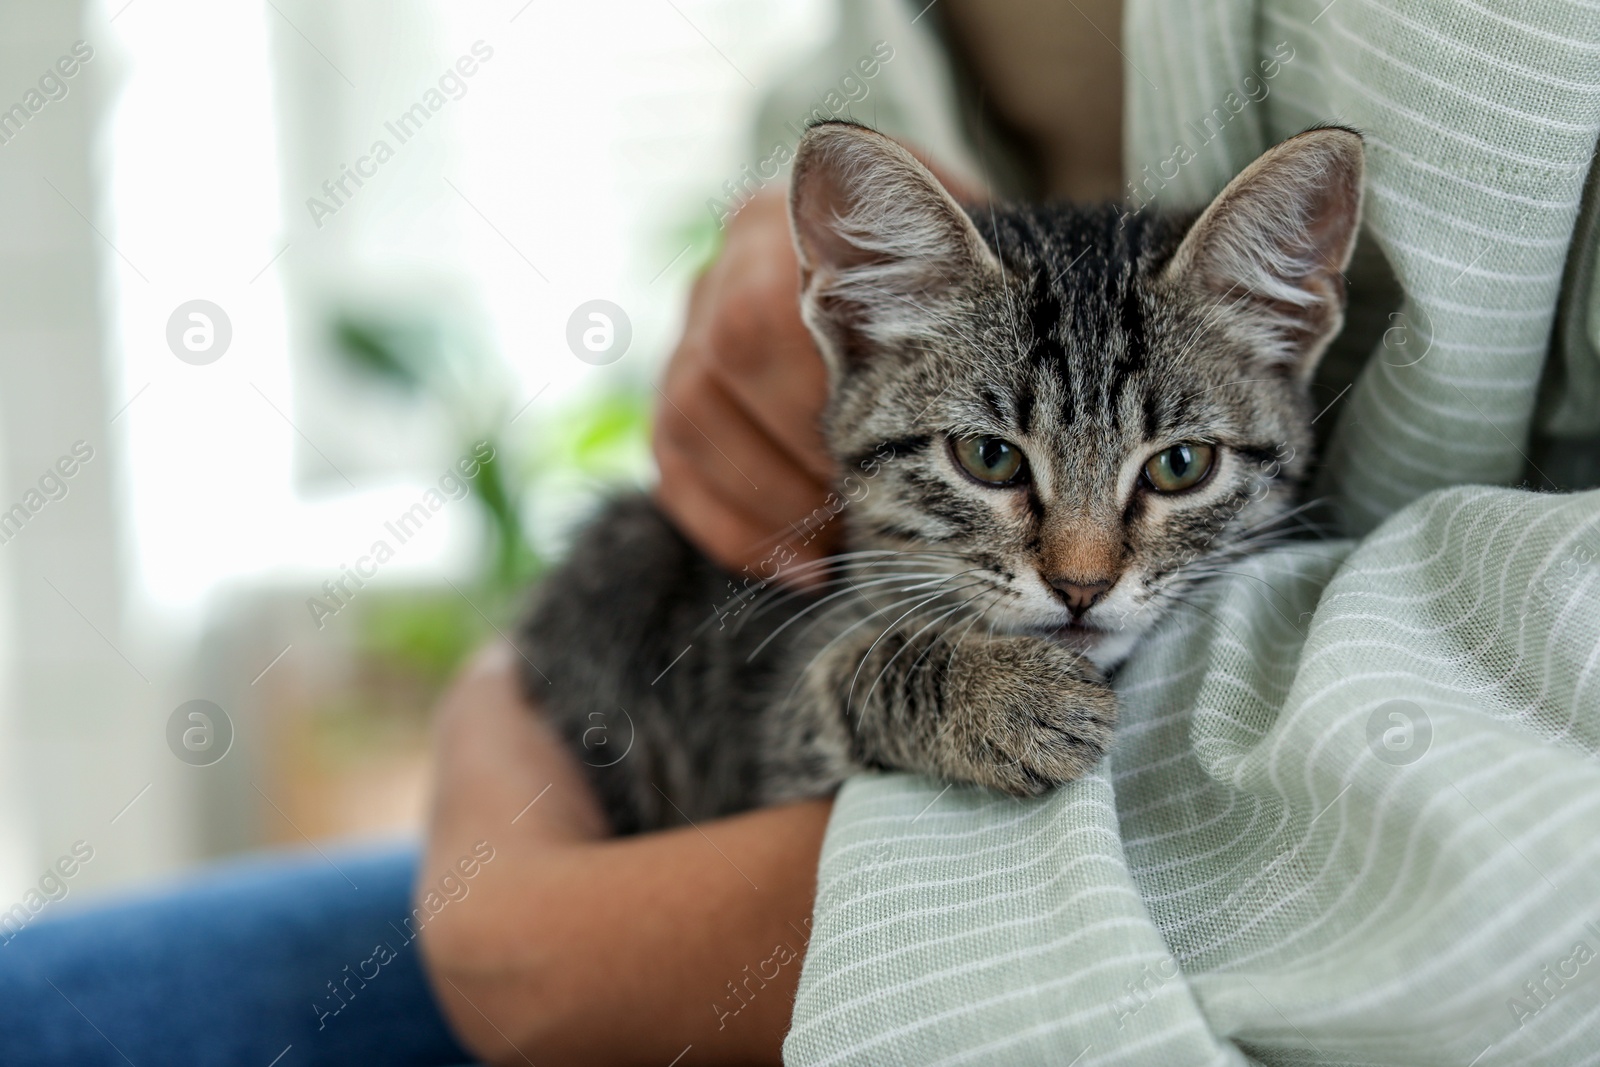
[571,947]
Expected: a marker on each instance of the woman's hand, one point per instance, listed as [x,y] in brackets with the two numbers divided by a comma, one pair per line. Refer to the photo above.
[736,438]
[737,432]
[572,947]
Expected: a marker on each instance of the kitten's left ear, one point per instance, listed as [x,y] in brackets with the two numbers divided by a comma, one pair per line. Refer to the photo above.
[1273,245]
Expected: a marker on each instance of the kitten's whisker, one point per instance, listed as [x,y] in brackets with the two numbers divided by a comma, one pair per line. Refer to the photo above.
[769,597]
[874,612]
[849,699]
[889,556]
[1254,546]
[1005,281]
[794,530]
[1211,316]
[919,588]
[1248,541]
[862,570]
[975,617]
[992,624]
[1284,516]
[888,553]
[979,616]
[852,628]
[866,700]
[1270,588]
[1214,617]
[854,587]
[872,558]
[1227,385]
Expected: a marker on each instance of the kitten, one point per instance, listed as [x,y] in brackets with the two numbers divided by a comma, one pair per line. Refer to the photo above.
[1049,417]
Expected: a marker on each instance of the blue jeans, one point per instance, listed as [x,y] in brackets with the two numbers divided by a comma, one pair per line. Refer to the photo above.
[256,963]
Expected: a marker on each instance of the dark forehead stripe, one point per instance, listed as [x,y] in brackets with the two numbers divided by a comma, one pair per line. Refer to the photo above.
[1152,415]
[1025,410]
[992,401]
[1081,273]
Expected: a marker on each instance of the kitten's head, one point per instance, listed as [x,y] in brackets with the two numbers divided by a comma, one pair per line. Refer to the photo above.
[1086,409]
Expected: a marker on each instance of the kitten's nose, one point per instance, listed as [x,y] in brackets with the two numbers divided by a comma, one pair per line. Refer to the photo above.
[1081,596]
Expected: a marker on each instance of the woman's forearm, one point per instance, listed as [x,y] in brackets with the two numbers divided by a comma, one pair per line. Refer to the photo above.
[574,947]
[633,951]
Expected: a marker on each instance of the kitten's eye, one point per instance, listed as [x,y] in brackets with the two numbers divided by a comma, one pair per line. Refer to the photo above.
[1179,467]
[989,459]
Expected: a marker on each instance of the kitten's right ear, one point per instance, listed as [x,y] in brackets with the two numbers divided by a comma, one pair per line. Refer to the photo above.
[880,242]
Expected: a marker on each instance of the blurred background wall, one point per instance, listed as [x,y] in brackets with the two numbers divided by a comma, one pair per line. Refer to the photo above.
[263,345]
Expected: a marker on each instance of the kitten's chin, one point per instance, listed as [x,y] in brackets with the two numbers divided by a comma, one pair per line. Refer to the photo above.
[1078,637]
[1104,648]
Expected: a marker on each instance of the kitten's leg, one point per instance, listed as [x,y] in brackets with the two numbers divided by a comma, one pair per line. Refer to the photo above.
[1018,714]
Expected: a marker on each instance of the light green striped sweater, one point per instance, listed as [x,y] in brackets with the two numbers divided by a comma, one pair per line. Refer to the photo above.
[1353,812]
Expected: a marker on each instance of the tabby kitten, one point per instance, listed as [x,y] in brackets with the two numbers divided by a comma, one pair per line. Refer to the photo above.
[1050,417]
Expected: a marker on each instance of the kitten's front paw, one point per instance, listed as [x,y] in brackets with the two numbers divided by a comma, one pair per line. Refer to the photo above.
[1024,715]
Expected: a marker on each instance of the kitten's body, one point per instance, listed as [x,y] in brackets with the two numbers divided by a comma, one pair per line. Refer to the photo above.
[964,633]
